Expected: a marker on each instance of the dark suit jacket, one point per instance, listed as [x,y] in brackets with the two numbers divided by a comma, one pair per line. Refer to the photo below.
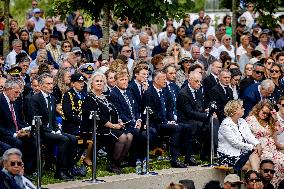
[208,83]
[133,89]
[71,117]
[7,126]
[39,108]
[122,107]
[251,97]
[246,82]
[27,107]
[188,108]
[218,95]
[151,98]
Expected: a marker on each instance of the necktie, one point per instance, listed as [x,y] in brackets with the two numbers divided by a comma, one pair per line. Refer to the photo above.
[163,103]
[217,80]
[141,90]
[14,116]
[227,92]
[128,103]
[49,112]
[195,94]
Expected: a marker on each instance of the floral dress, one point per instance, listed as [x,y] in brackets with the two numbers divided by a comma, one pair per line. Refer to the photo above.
[264,136]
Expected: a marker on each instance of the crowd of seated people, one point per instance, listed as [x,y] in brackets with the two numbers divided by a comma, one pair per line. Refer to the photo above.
[186,76]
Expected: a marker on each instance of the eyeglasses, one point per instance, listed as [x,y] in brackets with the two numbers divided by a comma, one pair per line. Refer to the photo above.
[67,46]
[243,20]
[255,180]
[274,71]
[268,170]
[175,49]
[259,72]
[14,163]
[207,47]
[34,4]
[248,68]
[228,39]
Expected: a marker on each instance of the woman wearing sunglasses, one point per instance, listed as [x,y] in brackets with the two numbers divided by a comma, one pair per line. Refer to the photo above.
[226,46]
[263,122]
[252,180]
[276,75]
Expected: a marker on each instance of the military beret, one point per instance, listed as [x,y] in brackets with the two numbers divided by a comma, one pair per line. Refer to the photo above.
[87,68]
[15,71]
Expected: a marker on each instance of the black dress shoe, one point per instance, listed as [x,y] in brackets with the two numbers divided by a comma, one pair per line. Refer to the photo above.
[191,162]
[177,164]
[113,169]
[62,176]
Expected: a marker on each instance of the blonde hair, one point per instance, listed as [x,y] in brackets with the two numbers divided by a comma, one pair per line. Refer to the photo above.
[175,186]
[232,106]
[96,74]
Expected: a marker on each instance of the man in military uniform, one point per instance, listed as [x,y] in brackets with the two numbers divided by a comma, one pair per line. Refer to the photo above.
[71,105]
[86,70]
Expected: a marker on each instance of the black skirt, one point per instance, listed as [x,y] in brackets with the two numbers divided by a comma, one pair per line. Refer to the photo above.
[237,162]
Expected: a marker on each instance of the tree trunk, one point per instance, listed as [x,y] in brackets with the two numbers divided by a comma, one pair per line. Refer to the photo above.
[6,31]
[106,33]
[234,24]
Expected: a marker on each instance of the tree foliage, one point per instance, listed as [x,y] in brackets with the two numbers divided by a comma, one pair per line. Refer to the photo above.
[143,12]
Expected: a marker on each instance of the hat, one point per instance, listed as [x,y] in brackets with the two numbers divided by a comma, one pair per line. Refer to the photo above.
[87,68]
[235,72]
[76,50]
[185,59]
[14,71]
[77,77]
[233,178]
[54,35]
[88,30]
[36,10]
[69,29]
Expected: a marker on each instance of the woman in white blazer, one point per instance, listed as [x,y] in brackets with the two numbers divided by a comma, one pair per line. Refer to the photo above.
[237,146]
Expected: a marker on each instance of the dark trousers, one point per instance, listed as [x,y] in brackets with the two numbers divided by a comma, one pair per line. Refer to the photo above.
[174,131]
[66,148]
[27,146]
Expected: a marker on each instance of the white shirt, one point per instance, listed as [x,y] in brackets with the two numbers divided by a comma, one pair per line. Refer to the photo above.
[11,59]
[234,138]
[241,50]
[163,35]
[39,24]
[231,52]
[8,101]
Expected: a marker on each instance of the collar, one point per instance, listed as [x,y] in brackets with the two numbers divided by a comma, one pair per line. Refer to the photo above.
[158,90]
[215,76]
[121,91]
[7,173]
[258,89]
[45,95]
[137,83]
[7,99]
[191,89]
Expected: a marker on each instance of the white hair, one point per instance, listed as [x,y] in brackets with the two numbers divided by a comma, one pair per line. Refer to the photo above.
[11,151]
[267,83]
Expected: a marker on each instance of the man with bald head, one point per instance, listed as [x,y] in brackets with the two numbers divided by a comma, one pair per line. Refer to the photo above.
[191,112]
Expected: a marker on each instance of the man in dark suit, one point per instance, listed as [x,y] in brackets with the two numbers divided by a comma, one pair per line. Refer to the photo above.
[139,84]
[212,79]
[13,129]
[162,117]
[172,88]
[256,92]
[256,77]
[71,105]
[191,112]
[221,93]
[43,104]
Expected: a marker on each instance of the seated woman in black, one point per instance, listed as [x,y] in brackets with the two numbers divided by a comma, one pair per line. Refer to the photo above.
[110,128]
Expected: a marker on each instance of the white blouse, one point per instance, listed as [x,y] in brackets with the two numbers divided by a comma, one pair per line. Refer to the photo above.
[234,138]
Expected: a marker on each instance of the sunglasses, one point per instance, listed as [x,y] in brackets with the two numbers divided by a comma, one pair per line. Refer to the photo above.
[267,114]
[248,68]
[67,46]
[269,63]
[235,185]
[228,39]
[208,47]
[268,170]
[128,51]
[274,71]
[243,20]
[259,72]
[18,163]
[255,180]
[175,49]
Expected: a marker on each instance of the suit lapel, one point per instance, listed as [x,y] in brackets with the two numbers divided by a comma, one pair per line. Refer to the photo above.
[43,103]
[6,107]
